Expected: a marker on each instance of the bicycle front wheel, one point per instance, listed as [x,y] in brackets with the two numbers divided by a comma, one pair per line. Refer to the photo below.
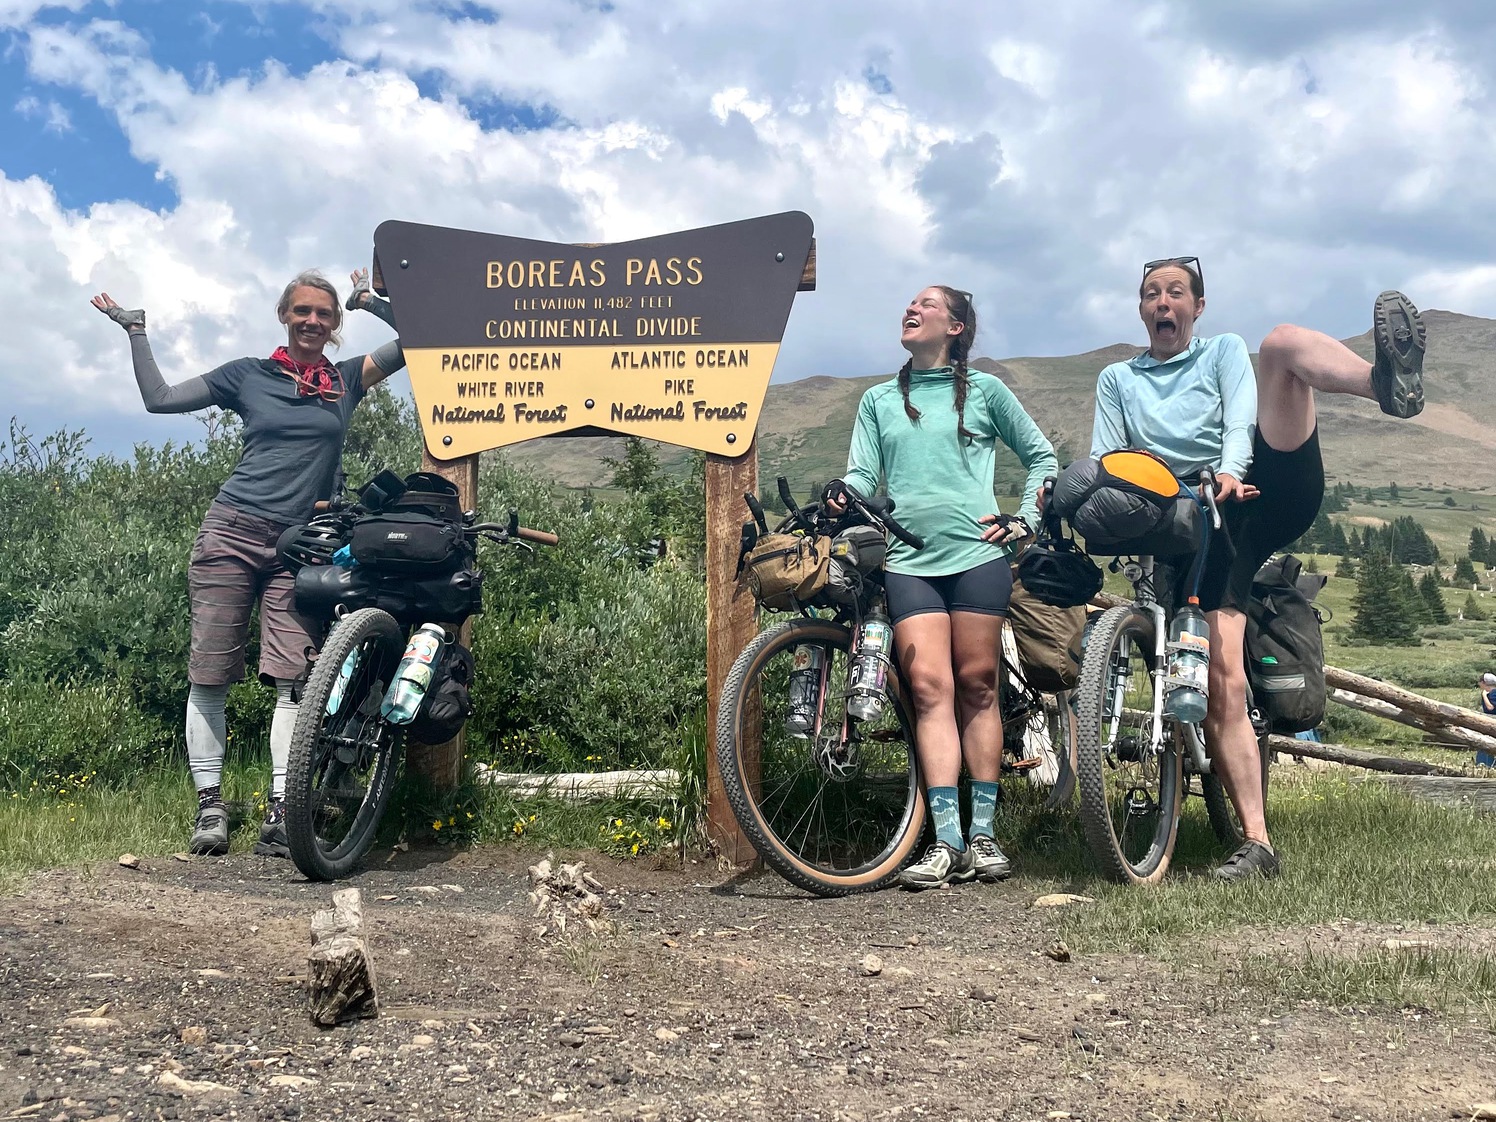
[344,755]
[1129,790]
[839,808]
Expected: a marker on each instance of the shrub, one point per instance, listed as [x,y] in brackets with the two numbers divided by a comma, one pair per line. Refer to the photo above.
[92,729]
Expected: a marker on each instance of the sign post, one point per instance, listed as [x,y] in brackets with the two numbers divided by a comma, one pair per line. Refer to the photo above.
[671,338]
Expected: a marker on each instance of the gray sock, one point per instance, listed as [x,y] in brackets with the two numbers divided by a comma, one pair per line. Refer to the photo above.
[206,736]
[282,724]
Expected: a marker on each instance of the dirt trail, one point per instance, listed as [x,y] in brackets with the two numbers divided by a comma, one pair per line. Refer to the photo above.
[712,999]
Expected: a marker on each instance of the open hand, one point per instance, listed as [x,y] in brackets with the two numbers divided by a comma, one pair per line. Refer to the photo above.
[361,290]
[125,317]
[1003,529]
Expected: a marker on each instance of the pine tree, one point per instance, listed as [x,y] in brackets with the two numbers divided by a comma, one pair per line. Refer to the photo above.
[1392,492]
[1472,608]
[1418,607]
[1449,501]
[1380,608]
[1433,599]
[1345,567]
[1464,573]
[1479,546]
[1338,542]
[1313,565]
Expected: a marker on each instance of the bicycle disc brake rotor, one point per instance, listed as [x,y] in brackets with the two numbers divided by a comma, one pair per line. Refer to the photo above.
[839,762]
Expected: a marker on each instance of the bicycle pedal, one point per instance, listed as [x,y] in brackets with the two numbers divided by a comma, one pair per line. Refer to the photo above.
[1026,765]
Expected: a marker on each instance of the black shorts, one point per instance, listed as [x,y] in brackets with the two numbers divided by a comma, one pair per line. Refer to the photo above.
[984,590]
[1292,486]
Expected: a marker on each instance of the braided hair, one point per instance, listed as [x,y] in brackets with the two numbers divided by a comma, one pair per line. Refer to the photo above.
[959,305]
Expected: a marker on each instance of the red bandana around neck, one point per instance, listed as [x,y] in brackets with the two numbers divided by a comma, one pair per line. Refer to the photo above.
[313,379]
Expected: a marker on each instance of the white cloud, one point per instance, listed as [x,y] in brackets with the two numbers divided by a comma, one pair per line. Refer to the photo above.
[1035,156]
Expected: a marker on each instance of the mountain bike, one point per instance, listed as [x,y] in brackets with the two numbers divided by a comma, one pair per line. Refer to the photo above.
[1135,762]
[347,744]
[826,788]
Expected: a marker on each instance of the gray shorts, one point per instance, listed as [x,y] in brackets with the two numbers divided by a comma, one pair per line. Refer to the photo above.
[233,564]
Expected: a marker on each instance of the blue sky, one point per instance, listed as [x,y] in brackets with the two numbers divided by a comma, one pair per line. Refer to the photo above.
[190,158]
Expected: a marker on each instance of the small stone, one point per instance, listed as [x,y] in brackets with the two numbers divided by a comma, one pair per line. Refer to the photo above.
[129,861]
[1027,1034]
[91,1024]
[1407,944]
[571,1039]
[1059,1114]
[182,856]
[744,1032]
[1058,951]
[912,941]
[979,994]
[666,1035]
[427,889]
[360,1052]
[434,1025]
[174,1082]
[210,972]
[457,1069]
[1484,1112]
[457,889]
[387,896]
[421,1040]
[1097,998]
[1061,900]
[295,1082]
[871,966]
[195,1035]
[598,1030]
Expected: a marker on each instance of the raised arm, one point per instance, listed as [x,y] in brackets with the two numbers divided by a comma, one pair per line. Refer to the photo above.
[387,358]
[158,397]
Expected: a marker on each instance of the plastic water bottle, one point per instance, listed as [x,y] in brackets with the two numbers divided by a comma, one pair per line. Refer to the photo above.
[865,685]
[413,675]
[340,687]
[1187,678]
[805,690]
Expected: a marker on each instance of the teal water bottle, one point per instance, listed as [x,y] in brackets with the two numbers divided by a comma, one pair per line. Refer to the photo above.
[1187,674]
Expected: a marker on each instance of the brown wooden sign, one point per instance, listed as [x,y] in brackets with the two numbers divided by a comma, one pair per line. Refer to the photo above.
[671,338]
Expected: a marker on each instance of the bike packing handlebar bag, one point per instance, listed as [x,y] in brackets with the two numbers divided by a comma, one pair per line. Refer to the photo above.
[855,552]
[322,590]
[784,571]
[407,542]
[1128,502]
[1285,647]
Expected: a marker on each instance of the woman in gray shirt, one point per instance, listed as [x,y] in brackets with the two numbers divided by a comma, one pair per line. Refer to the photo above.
[295,407]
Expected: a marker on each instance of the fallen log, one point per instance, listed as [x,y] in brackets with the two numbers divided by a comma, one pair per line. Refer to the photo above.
[1437,711]
[1455,738]
[578,785]
[1478,794]
[1340,754]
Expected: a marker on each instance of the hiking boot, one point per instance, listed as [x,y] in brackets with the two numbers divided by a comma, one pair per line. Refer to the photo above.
[1398,335]
[210,837]
[940,865]
[273,841]
[1253,859]
[988,862]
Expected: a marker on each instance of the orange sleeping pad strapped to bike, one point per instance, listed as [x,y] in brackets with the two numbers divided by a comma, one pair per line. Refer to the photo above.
[1128,502]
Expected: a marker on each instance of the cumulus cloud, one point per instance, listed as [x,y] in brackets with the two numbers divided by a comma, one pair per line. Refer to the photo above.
[1034,156]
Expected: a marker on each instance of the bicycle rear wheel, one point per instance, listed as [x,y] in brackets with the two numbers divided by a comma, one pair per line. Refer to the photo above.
[839,812]
[1129,793]
[344,755]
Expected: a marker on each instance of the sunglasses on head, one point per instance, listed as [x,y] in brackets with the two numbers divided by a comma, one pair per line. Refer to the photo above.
[1190,263]
[329,387]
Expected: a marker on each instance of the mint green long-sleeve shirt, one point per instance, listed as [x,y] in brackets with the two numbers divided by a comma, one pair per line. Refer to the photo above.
[940,481]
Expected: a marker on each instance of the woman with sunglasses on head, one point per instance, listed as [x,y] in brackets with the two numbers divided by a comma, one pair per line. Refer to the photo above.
[1194,402]
[932,434]
[295,406]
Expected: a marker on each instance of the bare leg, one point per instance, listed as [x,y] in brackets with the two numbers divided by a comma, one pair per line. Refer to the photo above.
[1291,364]
[1228,729]
[975,642]
[924,647]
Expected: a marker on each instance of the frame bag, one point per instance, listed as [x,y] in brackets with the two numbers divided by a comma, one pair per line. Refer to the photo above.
[1285,649]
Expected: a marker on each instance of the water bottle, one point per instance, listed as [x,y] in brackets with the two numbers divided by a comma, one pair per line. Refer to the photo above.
[865,685]
[1187,676]
[340,686]
[413,675]
[805,690]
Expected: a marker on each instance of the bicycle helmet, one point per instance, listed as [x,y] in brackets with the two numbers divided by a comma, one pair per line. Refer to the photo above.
[1056,572]
[311,544]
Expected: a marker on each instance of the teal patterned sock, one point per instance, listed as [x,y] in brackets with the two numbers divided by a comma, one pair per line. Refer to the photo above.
[983,808]
[945,809]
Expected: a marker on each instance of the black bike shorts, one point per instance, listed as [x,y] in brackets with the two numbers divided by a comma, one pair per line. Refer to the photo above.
[1291,486]
[984,590]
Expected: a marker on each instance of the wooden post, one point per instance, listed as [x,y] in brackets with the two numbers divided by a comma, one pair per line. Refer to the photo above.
[730,626]
[441,764]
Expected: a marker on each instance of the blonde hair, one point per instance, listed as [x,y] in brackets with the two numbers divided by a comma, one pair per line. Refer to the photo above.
[311,278]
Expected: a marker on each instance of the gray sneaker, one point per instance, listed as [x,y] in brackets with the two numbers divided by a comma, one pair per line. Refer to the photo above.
[210,838]
[1398,334]
[940,865]
[988,862]
[273,842]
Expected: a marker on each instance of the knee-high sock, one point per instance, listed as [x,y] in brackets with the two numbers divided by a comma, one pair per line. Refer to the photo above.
[282,723]
[206,735]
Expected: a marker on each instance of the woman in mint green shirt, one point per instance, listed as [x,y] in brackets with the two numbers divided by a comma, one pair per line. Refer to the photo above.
[931,435]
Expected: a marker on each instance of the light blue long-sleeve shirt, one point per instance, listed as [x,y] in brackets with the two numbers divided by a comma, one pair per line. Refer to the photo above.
[1196,410]
[941,481]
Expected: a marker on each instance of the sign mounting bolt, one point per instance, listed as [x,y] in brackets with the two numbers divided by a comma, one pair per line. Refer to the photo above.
[405,264]
[732,438]
[779,257]
[589,403]
[447,440]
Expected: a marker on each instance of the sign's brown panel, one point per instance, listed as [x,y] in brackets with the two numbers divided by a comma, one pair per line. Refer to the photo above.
[671,338]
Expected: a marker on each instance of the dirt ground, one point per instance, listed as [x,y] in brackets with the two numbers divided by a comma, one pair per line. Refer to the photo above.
[713,998]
